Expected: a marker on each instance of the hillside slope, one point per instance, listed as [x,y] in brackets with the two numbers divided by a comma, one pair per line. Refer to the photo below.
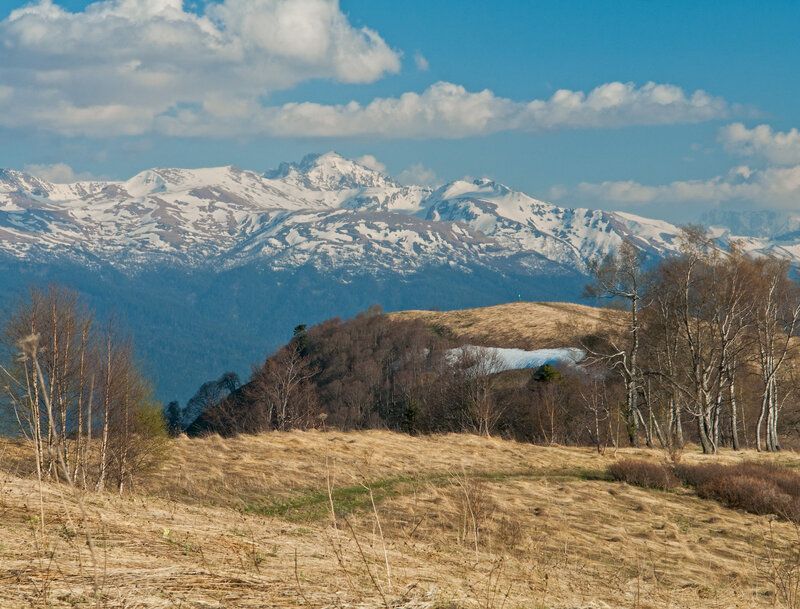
[419,522]
[522,325]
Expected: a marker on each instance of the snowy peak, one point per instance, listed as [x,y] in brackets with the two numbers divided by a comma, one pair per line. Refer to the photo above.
[23,185]
[330,171]
[488,198]
[146,183]
[324,211]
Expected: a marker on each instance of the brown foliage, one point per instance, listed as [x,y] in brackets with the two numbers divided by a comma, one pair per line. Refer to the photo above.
[644,473]
[759,488]
[378,372]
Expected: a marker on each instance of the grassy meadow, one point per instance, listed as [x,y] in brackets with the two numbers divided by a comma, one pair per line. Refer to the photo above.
[378,519]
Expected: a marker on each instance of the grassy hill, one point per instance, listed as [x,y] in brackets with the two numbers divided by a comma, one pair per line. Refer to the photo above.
[372,519]
[524,325]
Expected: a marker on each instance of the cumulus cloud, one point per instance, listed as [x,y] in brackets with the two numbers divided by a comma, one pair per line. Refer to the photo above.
[131,67]
[419,175]
[116,66]
[58,173]
[780,147]
[447,110]
[371,162]
[775,187]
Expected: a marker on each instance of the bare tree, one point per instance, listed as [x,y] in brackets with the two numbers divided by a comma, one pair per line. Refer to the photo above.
[280,386]
[65,353]
[478,367]
[620,276]
[693,278]
[76,388]
[594,394]
[777,312]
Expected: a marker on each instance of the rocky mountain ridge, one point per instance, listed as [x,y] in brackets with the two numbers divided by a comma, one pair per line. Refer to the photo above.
[325,211]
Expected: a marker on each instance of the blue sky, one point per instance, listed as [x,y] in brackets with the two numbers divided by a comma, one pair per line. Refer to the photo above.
[665,109]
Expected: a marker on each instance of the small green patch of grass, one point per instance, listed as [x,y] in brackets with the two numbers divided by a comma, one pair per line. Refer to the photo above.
[316,505]
[346,499]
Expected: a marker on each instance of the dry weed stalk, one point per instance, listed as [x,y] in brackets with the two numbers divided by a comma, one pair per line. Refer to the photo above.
[366,563]
[380,531]
[783,568]
[476,507]
[297,581]
[336,544]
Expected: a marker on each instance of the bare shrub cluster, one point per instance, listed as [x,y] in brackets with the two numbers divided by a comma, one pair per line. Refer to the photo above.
[758,488]
[648,474]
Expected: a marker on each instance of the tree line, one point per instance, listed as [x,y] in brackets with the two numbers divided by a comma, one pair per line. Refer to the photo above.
[372,372]
[709,339]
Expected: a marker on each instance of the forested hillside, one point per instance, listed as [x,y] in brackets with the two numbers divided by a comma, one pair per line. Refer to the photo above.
[700,348]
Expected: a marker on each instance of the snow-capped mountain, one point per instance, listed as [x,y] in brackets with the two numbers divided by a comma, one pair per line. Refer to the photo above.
[212,268]
[326,211]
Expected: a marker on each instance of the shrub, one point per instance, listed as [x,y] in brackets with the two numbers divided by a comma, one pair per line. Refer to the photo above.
[695,475]
[754,495]
[758,488]
[644,473]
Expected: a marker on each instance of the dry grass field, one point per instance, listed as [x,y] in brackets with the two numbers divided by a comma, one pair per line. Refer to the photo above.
[524,325]
[376,519]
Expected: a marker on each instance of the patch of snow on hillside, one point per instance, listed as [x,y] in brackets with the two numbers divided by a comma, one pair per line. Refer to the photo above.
[520,359]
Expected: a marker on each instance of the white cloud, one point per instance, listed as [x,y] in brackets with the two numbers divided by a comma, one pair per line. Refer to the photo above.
[131,67]
[769,188]
[619,104]
[446,110]
[371,162]
[557,192]
[421,63]
[417,174]
[116,66]
[778,147]
[58,173]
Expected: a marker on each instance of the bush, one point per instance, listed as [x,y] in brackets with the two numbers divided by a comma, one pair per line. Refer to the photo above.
[644,473]
[695,475]
[758,488]
[754,495]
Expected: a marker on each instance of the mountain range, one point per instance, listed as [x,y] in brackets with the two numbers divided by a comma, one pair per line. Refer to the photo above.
[212,268]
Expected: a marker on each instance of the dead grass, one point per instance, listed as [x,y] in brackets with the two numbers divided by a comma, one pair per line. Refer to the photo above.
[524,325]
[443,521]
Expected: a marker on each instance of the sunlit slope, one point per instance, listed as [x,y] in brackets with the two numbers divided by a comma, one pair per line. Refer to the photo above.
[370,519]
[524,325]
